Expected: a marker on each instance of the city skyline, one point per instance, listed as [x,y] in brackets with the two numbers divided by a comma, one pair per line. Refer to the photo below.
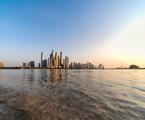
[56,61]
[108,32]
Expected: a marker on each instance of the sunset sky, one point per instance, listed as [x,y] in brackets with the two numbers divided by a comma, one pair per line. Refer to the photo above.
[111,32]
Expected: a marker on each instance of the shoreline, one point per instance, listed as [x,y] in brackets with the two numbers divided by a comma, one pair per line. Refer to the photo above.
[72,69]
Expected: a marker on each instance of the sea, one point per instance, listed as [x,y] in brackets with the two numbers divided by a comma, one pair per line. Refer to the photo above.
[72,94]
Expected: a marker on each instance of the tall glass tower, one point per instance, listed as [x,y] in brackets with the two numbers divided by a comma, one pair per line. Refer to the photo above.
[41,59]
[61,59]
[52,59]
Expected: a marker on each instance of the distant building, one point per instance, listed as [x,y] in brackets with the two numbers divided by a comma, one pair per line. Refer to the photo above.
[31,64]
[63,63]
[52,59]
[56,60]
[44,63]
[41,59]
[89,65]
[79,65]
[59,62]
[48,62]
[66,62]
[61,59]
[39,65]
[100,66]
[71,65]
[24,65]
[1,65]
[28,64]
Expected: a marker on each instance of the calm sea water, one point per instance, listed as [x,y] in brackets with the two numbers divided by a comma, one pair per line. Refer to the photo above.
[76,94]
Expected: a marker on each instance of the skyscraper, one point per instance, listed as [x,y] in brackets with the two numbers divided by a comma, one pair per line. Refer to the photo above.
[48,62]
[41,59]
[45,63]
[61,59]
[52,59]
[63,63]
[56,60]
[1,64]
[66,62]
[24,65]
[32,64]
[38,65]
[28,64]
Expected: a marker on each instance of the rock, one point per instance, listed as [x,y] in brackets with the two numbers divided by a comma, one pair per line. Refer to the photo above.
[59,109]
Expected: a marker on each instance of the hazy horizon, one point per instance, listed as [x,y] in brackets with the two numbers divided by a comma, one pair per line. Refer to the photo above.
[108,32]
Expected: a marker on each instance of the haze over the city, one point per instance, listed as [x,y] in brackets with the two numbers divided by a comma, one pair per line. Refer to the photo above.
[111,32]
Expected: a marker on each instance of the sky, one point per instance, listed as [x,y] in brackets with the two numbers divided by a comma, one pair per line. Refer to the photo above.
[111,32]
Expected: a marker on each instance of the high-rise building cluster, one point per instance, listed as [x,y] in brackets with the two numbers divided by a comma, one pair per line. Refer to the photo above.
[31,64]
[87,65]
[1,65]
[54,61]
[57,61]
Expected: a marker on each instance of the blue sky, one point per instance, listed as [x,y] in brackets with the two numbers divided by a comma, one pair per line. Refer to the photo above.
[99,31]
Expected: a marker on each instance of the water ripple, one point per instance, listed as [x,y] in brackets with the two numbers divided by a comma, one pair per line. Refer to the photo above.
[73,94]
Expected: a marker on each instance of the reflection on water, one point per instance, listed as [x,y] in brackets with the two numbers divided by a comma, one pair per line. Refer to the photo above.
[72,94]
